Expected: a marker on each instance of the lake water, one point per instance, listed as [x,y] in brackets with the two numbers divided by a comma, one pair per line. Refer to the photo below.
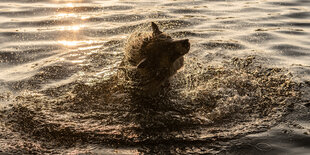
[244,88]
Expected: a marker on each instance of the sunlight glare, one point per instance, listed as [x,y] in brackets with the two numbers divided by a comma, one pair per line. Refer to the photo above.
[65,15]
[85,17]
[72,28]
[74,43]
[69,5]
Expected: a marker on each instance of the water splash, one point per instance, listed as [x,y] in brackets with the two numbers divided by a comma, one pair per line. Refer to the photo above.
[203,106]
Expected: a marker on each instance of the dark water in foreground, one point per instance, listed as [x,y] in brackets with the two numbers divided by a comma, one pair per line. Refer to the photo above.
[247,72]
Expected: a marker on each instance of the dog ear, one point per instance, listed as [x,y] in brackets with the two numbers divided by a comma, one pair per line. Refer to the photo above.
[155,29]
[142,63]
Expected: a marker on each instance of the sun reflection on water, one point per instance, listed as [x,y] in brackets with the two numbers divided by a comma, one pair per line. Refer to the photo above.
[69,14]
[68,1]
[69,5]
[65,15]
[85,17]
[75,43]
[72,28]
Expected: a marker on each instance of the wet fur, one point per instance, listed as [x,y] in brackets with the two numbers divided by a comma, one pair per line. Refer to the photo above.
[151,58]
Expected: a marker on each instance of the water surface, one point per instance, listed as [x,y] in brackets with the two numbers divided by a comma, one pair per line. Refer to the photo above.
[248,70]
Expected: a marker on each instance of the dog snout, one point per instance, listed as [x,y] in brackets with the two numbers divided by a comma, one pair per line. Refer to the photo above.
[186,44]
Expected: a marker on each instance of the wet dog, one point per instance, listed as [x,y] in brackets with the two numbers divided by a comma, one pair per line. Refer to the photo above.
[151,58]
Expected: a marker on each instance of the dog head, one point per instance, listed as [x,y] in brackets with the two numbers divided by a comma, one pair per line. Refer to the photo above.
[162,51]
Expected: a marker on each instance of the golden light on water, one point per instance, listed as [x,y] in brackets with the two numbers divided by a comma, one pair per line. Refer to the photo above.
[77,61]
[75,43]
[71,15]
[72,28]
[89,48]
[85,17]
[69,5]
[65,15]
[67,1]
